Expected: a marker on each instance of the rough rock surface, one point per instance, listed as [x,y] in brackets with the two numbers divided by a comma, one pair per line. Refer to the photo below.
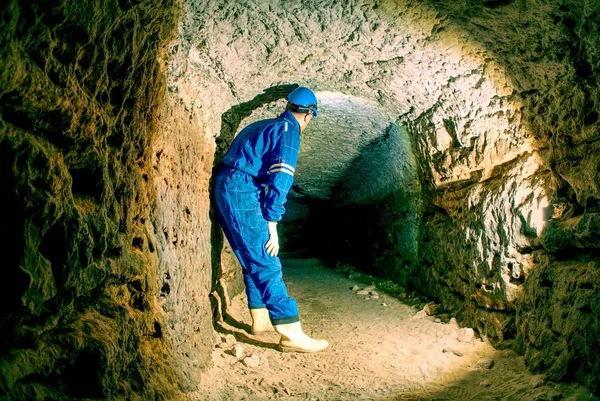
[182,164]
[456,151]
[500,101]
[80,90]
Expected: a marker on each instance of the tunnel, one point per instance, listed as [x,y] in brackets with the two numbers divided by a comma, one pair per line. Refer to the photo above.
[455,157]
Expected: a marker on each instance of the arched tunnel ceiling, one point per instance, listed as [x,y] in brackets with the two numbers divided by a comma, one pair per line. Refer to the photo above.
[333,141]
[344,127]
[405,59]
[378,51]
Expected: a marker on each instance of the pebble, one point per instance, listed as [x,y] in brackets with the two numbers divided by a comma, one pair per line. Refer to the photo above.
[466,335]
[367,292]
[485,383]
[431,308]
[485,363]
[237,350]
[227,342]
[355,288]
[251,361]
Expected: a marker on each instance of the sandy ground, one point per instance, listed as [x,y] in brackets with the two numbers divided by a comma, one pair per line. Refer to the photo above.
[381,348]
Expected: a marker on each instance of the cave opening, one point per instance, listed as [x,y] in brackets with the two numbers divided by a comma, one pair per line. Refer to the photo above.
[427,164]
[357,196]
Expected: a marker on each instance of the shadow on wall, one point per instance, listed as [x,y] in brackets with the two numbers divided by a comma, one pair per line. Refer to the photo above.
[11,235]
[224,268]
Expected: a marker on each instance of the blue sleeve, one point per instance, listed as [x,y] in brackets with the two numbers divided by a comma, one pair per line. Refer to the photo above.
[284,156]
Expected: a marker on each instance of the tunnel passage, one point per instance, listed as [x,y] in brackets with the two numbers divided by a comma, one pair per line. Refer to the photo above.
[488,112]
[356,193]
[108,134]
[356,196]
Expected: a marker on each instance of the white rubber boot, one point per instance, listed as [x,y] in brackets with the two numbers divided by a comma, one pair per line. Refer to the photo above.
[260,321]
[293,339]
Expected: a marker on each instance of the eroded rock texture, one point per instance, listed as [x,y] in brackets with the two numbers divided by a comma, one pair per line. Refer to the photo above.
[81,87]
[456,151]
[498,102]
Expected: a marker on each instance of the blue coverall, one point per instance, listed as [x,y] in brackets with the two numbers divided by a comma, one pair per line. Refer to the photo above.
[251,185]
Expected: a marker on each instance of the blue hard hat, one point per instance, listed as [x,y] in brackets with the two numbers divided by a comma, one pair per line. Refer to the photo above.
[304,100]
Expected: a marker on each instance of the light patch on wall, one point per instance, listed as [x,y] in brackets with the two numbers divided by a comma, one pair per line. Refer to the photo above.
[530,196]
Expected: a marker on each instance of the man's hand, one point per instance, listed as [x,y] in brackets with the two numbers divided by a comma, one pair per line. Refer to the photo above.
[272,244]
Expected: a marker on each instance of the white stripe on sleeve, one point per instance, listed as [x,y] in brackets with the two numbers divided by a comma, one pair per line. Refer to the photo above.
[281,170]
[284,165]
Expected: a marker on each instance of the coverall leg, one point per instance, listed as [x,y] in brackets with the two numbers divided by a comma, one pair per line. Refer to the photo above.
[237,201]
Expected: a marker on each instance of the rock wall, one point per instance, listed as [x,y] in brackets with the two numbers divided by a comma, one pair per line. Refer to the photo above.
[118,265]
[81,86]
[500,101]
[182,160]
[520,197]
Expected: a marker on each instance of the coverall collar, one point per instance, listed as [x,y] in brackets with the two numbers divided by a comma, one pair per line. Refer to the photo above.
[290,117]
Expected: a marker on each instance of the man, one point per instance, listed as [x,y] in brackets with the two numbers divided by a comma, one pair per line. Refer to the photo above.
[251,185]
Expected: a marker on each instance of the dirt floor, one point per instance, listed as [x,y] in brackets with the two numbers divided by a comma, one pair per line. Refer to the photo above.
[381,348]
